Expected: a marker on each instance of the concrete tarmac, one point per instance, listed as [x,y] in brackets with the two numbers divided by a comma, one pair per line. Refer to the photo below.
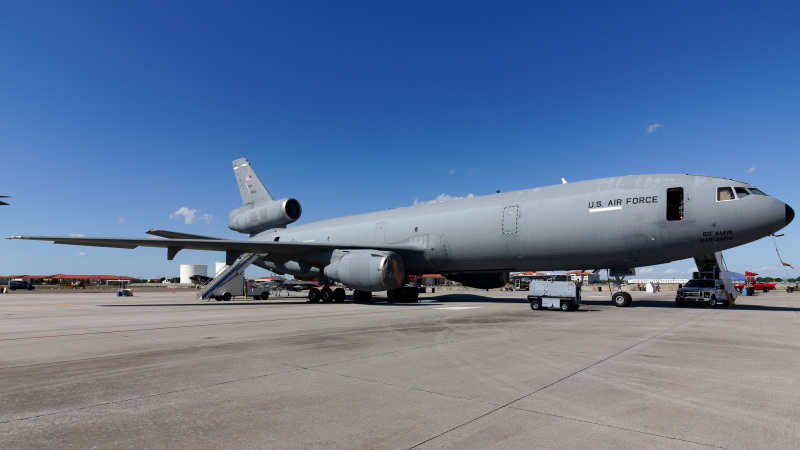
[472,369]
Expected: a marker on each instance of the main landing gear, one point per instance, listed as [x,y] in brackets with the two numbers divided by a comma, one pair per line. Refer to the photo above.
[326,295]
[403,294]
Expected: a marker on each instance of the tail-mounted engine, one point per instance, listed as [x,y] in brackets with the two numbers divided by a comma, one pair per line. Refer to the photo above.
[272,214]
[367,270]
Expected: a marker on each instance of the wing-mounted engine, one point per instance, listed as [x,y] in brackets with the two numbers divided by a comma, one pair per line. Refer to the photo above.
[489,280]
[272,214]
[367,270]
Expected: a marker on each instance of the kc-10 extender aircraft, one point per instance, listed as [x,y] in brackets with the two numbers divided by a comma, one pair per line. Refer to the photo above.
[628,221]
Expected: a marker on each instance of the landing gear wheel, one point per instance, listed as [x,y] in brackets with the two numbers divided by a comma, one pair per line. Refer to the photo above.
[712,302]
[327,295]
[362,296]
[338,295]
[621,299]
[314,295]
[412,293]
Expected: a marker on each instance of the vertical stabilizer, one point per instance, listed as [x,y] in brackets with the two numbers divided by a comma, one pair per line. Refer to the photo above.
[250,186]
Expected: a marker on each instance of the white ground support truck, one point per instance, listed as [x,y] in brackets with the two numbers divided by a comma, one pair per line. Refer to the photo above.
[235,287]
[555,294]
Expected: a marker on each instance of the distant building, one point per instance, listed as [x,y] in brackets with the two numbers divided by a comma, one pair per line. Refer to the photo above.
[61,278]
[584,277]
[657,280]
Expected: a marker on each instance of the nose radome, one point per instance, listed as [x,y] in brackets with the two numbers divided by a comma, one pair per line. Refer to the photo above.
[789,214]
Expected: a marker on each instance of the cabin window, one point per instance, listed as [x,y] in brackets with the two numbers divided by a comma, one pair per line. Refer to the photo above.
[756,191]
[675,204]
[741,192]
[724,194]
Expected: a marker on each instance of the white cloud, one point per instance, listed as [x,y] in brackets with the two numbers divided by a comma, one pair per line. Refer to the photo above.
[441,198]
[121,219]
[751,170]
[653,127]
[76,235]
[81,253]
[190,216]
[451,171]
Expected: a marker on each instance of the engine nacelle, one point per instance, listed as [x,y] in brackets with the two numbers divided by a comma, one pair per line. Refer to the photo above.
[274,214]
[489,280]
[367,270]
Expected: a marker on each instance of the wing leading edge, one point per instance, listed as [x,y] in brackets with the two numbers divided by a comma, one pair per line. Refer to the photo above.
[286,249]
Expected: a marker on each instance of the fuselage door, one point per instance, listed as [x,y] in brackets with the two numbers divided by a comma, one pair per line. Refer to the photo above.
[510,219]
[380,233]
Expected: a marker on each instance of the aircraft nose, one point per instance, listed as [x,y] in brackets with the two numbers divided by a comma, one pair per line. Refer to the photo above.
[789,214]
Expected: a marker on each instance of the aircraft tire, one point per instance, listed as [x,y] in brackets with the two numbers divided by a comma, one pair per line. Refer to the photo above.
[412,293]
[327,295]
[362,296]
[536,304]
[621,299]
[338,295]
[314,295]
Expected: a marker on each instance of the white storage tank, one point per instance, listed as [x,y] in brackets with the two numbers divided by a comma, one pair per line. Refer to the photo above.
[220,266]
[187,270]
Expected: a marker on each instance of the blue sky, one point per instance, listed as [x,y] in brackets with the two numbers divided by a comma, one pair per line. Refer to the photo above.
[116,115]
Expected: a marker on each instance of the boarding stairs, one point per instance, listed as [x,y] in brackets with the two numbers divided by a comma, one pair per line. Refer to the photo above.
[712,265]
[227,274]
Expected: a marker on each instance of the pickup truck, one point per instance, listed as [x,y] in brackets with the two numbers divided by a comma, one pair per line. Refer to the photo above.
[701,291]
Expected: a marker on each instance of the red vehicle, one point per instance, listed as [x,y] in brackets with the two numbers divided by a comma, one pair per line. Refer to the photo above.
[751,281]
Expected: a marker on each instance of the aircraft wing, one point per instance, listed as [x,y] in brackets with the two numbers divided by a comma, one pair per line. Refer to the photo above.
[226,245]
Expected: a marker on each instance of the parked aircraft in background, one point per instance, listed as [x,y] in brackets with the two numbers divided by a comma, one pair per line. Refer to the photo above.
[618,222]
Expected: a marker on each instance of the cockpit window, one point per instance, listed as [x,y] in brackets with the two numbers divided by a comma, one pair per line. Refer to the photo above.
[724,194]
[756,191]
[741,192]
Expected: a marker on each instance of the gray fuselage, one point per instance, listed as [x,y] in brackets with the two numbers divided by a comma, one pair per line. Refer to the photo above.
[611,222]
